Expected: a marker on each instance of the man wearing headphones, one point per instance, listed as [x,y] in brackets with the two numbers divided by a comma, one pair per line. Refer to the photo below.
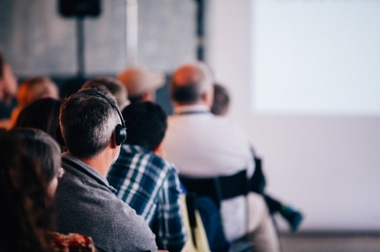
[93,129]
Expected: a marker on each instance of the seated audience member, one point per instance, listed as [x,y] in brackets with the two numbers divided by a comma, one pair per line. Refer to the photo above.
[42,114]
[30,164]
[8,91]
[116,88]
[93,130]
[220,107]
[46,153]
[33,89]
[20,184]
[203,145]
[221,101]
[146,181]
[141,83]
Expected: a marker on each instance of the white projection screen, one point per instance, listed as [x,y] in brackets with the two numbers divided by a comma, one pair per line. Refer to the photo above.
[316,57]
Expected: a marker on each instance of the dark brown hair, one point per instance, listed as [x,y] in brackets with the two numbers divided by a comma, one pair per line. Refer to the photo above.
[23,194]
[43,148]
[146,123]
[42,114]
[221,100]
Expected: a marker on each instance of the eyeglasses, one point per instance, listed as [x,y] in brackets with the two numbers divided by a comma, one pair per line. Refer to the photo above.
[60,173]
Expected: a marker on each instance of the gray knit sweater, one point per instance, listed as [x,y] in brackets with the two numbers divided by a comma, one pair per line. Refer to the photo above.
[86,204]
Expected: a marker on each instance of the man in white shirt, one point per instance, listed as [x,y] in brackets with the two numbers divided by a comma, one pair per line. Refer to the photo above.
[203,145]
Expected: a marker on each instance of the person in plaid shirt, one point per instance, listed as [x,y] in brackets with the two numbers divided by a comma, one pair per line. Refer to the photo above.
[146,181]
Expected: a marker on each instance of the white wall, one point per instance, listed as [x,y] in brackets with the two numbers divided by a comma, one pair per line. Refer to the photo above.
[328,167]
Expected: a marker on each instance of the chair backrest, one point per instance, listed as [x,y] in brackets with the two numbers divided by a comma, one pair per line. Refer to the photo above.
[218,188]
[257,181]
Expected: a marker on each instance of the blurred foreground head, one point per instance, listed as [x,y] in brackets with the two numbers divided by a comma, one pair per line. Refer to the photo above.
[23,192]
[46,153]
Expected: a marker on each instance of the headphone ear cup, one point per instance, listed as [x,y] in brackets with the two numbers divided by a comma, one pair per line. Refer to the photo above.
[121,134]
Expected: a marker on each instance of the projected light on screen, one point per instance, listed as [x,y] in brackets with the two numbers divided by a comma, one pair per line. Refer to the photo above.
[316,57]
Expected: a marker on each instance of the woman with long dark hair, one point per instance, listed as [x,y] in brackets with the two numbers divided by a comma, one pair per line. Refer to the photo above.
[42,114]
[23,193]
[30,165]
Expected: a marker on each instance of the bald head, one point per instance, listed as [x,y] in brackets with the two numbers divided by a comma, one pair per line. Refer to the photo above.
[190,83]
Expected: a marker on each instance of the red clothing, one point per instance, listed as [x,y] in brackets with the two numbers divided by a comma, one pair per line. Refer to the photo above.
[71,242]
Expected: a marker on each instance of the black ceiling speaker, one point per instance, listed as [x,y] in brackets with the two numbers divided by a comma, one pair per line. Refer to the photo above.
[79,8]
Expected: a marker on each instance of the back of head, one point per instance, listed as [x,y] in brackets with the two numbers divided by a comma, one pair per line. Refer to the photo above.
[35,88]
[190,82]
[42,114]
[116,88]
[23,192]
[221,100]
[87,122]
[146,123]
[140,81]
[43,148]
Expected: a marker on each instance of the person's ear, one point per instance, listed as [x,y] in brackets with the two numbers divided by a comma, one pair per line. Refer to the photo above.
[113,140]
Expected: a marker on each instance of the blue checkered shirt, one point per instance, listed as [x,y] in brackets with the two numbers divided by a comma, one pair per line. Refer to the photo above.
[150,185]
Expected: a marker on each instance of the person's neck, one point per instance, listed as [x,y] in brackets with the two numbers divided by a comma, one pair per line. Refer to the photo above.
[186,104]
[101,162]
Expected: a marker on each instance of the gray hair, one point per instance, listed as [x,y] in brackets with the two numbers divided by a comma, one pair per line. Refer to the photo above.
[116,88]
[190,82]
[87,122]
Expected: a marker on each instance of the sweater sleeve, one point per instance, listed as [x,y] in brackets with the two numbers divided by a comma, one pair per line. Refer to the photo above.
[130,231]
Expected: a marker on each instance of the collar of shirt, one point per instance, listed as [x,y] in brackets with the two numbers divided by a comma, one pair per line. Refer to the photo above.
[191,109]
[79,168]
[135,149]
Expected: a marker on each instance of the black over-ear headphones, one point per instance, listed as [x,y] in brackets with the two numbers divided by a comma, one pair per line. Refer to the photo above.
[120,130]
